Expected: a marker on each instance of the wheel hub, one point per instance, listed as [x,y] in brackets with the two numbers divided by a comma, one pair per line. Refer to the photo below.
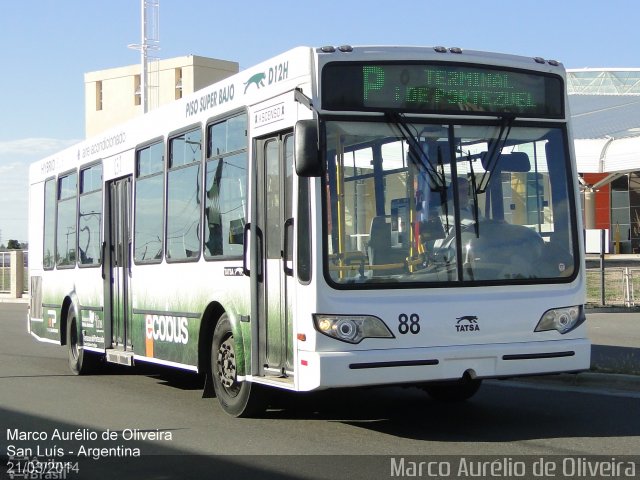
[227,363]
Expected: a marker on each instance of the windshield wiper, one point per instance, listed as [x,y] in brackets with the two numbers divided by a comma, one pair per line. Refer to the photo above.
[443,190]
[490,160]
[474,193]
[414,149]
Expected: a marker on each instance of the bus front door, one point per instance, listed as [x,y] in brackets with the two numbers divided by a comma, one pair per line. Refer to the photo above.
[117,271]
[275,227]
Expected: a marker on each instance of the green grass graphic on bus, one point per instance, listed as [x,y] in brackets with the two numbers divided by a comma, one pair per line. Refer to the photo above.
[174,336]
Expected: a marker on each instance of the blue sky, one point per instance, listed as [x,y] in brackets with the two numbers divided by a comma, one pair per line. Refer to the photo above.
[46,46]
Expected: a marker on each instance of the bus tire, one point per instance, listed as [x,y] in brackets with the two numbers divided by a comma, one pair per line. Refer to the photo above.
[454,391]
[237,398]
[81,362]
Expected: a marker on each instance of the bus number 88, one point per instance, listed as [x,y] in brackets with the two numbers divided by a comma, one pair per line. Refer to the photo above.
[409,323]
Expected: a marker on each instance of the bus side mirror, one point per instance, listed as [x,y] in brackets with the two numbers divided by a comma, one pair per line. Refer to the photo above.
[307,160]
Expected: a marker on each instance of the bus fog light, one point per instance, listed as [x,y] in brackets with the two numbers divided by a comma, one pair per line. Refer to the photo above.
[561,319]
[351,328]
[324,325]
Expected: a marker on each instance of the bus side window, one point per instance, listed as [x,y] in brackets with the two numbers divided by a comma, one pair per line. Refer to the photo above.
[303,260]
[90,215]
[183,196]
[149,204]
[49,241]
[66,220]
[225,188]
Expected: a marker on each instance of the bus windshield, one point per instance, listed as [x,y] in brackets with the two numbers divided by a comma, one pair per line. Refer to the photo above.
[447,204]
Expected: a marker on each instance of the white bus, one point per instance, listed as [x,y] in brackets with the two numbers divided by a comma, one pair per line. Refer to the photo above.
[332,217]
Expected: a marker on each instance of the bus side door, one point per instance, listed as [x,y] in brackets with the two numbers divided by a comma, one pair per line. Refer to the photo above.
[118,264]
[274,220]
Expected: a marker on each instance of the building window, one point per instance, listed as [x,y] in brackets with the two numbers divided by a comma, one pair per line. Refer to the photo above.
[137,90]
[99,95]
[178,83]
[634,210]
[620,213]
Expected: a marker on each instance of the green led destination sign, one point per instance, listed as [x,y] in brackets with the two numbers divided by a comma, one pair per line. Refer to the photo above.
[441,88]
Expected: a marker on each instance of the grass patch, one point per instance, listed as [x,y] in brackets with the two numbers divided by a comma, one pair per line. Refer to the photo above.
[614,286]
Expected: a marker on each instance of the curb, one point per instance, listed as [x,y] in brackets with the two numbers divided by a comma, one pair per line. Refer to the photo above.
[611,309]
[13,300]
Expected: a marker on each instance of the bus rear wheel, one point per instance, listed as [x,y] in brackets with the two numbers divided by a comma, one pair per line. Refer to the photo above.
[237,398]
[81,362]
[453,391]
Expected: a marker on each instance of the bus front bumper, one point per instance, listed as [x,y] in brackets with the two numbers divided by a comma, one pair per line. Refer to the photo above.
[320,370]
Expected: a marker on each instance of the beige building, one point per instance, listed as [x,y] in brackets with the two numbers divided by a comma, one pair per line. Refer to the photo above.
[113,96]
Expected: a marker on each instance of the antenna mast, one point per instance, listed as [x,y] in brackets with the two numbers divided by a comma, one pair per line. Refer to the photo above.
[150,30]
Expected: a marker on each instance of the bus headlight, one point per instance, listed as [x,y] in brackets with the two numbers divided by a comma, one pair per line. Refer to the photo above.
[351,328]
[561,319]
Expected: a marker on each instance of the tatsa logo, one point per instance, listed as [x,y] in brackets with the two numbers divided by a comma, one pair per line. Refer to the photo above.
[166,328]
[471,324]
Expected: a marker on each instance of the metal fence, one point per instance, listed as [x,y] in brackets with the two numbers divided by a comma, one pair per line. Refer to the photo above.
[621,286]
[5,272]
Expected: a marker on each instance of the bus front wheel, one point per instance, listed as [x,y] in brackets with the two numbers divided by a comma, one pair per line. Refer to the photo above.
[237,398]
